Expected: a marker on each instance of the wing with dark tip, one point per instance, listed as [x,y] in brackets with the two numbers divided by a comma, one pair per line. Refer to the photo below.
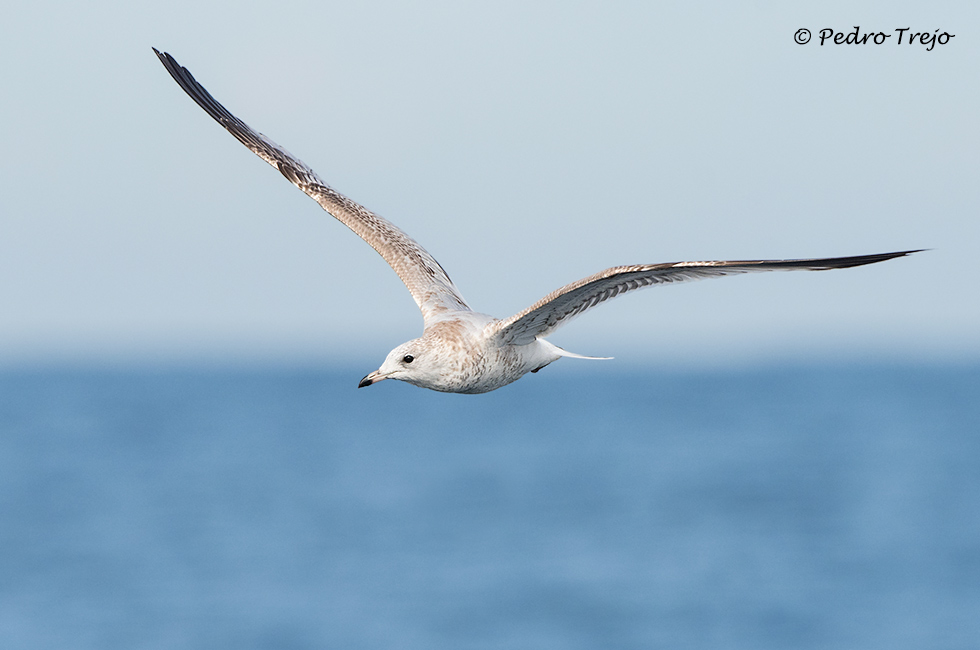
[428,283]
[561,306]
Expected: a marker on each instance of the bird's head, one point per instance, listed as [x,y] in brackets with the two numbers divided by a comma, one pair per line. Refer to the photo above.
[408,362]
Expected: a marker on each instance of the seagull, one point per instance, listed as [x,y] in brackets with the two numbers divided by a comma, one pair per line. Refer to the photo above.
[461,350]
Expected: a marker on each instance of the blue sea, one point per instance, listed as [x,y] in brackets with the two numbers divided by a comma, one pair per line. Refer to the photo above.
[796,506]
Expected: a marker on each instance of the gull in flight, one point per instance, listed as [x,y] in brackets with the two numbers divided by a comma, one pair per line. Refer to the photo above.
[460,350]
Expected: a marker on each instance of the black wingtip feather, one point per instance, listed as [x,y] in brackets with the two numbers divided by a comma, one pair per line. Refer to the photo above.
[205,100]
[861,260]
[827,263]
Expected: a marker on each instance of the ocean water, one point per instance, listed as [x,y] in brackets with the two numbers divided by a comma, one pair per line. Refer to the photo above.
[781,507]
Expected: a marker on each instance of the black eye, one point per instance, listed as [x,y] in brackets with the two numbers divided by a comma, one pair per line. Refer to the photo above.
[408,358]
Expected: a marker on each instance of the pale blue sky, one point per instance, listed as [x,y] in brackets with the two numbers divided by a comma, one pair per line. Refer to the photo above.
[525,145]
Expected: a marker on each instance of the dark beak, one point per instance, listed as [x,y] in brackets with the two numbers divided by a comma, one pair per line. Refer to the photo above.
[371,378]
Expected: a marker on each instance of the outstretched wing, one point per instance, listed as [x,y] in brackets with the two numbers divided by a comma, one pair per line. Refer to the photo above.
[429,284]
[559,307]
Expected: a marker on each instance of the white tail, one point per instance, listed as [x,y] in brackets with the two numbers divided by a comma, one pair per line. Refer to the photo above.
[565,353]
